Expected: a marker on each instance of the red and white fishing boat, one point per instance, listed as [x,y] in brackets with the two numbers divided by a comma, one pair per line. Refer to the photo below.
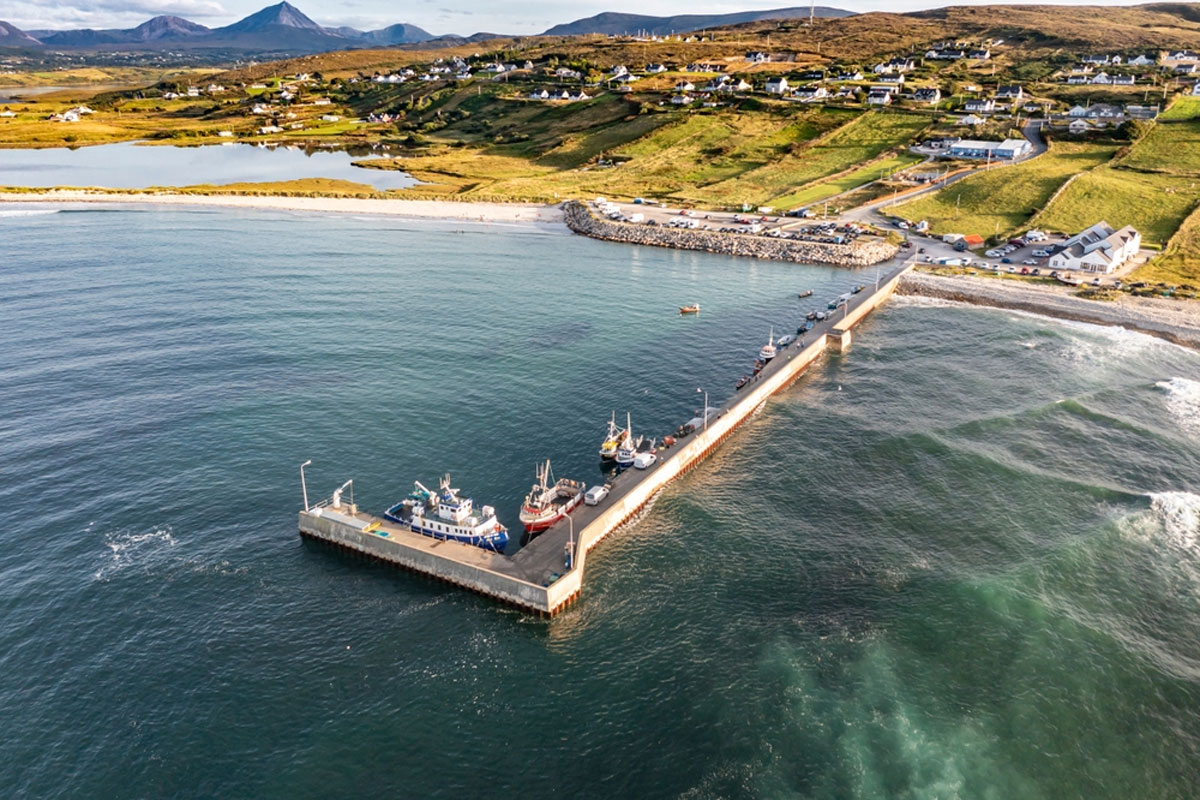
[549,501]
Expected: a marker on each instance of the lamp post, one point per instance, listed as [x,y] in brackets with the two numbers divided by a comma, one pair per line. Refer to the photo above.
[303,486]
[705,407]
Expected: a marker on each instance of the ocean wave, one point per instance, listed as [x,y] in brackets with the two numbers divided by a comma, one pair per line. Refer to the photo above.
[134,549]
[1179,515]
[27,212]
[1183,402]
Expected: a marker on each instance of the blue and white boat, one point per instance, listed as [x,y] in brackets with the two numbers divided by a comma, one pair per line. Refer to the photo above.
[445,515]
[628,448]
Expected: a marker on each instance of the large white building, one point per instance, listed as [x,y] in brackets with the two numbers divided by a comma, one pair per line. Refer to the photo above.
[1100,248]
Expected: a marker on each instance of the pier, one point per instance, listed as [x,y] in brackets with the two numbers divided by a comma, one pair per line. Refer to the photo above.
[546,576]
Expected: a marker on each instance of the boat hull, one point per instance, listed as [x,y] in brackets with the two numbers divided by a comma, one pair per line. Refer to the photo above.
[538,521]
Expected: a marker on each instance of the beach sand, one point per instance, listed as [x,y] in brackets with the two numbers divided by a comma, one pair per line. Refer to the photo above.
[424,209]
[1176,321]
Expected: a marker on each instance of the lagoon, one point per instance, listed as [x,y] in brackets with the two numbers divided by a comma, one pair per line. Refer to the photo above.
[130,165]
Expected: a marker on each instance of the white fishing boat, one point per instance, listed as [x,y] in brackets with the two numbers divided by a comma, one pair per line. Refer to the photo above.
[768,351]
[608,449]
[627,450]
[446,515]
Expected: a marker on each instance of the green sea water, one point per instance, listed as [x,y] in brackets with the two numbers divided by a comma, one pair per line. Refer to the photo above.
[961,560]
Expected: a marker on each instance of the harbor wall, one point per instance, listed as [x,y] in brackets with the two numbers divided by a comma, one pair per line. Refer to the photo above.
[505,579]
[701,443]
[580,219]
[452,564]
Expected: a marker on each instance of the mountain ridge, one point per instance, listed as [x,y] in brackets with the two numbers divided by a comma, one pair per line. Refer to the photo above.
[612,22]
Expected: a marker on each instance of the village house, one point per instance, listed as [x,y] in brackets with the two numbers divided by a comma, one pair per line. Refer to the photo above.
[1124,80]
[1097,111]
[1010,92]
[979,55]
[879,98]
[1100,248]
[655,68]
[980,105]
[1078,80]
[850,76]
[1101,78]
[1097,59]
[1007,150]
[928,95]
[1141,112]
[8,114]
[330,118]
[740,85]
[895,65]
[811,93]
[777,86]
[685,86]
[971,120]
[947,54]
[171,95]
[1079,127]
[539,94]
[682,99]
[758,57]
[567,74]
[887,88]
[896,78]
[618,71]
[1185,69]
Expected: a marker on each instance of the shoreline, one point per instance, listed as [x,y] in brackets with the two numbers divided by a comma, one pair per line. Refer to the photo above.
[1173,320]
[449,210]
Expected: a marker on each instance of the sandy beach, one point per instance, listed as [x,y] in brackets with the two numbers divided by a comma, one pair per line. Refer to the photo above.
[423,209]
[1176,321]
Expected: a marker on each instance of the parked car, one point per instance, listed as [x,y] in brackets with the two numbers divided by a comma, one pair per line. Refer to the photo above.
[1006,260]
[1030,262]
[1041,253]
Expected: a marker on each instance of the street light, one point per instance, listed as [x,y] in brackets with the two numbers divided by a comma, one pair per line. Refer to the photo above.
[303,486]
[705,407]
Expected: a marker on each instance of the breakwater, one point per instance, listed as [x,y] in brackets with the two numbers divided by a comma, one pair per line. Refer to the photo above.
[580,219]
[546,575]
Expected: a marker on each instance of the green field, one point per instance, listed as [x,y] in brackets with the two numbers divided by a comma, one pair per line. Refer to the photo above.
[1180,260]
[1154,203]
[1170,147]
[1184,107]
[1001,200]
[817,192]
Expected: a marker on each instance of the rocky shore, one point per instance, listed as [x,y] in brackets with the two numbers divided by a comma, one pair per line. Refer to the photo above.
[580,219]
[1176,321]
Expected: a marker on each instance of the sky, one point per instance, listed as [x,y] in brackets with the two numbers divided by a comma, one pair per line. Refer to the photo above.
[436,16]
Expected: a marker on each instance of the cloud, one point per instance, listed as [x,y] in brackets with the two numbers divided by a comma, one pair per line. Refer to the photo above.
[41,14]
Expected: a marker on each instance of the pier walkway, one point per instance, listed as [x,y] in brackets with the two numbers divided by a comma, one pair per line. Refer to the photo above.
[540,577]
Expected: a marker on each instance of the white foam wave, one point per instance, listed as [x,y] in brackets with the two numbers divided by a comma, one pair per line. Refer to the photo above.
[1179,515]
[1183,402]
[129,549]
[27,212]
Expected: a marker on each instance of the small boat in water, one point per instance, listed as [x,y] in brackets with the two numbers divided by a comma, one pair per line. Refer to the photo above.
[811,315]
[549,500]
[768,351]
[694,308]
[608,449]
[805,293]
[444,514]
[742,381]
[784,341]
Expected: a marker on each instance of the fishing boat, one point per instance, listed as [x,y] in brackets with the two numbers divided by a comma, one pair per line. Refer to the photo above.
[805,293]
[811,316]
[742,381]
[608,449]
[627,449]
[549,500]
[768,351]
[694,308]
[445,514]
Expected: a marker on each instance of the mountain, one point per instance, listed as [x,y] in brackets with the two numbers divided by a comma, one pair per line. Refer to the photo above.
[166,27]
[281,15]
[12,36]
[614,23]
[396,34]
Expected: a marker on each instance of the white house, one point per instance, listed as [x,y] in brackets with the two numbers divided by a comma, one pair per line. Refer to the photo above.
[685,86]
[656,68]
[1007,150]
[1100,248]
[810,93]
[330,118]
[1140,60]
[539,94]
[984,105]
[777,85]
[879,98]
[1101,78]
[971,120]
[928,95]
[8,114]
[682,99]
[1011,92]
[758,57]
[1079,126]
[850,76]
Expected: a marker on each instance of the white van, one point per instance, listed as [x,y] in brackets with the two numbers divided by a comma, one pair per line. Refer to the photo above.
[595,495]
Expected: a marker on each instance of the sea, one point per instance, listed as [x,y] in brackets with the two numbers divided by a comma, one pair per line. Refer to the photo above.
[960,560]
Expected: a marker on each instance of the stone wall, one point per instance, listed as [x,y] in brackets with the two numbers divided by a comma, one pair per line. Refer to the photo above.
[580,219]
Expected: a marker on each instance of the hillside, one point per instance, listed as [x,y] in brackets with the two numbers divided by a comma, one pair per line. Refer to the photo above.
[613,23]
[12,36]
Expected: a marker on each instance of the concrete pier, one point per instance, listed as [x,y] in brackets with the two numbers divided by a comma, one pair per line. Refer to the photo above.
[537,578]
